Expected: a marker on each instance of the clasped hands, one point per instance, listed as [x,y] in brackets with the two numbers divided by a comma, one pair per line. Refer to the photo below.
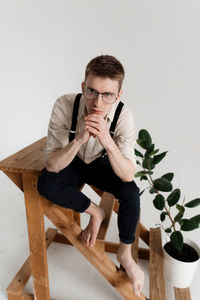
[97,126]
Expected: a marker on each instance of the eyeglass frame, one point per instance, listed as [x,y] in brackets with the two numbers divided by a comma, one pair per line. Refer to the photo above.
[98,93]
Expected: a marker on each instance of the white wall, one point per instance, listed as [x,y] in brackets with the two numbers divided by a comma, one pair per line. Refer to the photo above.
[45,46]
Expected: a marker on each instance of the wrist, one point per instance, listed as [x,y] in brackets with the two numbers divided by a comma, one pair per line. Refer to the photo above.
[110,146]
[78,141]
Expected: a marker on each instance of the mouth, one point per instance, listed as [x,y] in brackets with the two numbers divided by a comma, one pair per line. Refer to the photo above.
[95,111]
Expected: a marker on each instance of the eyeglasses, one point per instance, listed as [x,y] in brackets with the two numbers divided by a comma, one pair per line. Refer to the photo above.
[107,97]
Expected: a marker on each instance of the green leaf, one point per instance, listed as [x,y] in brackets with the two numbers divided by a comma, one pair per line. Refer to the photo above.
[193,203]
[196,219]
[162,216]
[149,150]
[142,173]
[176,239]
[168,230]
[154,152]
[137,161]
[173,198]
[147,164]
[188,225]
[159,202]
[163,185]
[168,176]
[180,208]
[178,216]
[138,174]
[144,135]
[159,157]
[138,153]
[180,221]
[144,177]
[152,190]
[142,144]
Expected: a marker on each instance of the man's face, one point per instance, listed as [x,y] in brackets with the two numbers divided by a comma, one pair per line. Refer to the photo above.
[101,85]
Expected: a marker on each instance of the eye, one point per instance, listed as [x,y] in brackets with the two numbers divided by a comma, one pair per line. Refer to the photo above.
[92,90]
[107,94]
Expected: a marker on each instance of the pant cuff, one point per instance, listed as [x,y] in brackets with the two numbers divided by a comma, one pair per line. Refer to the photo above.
[85,206]
[125,241]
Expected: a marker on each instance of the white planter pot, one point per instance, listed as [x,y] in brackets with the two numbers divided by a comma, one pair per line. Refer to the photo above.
[178,273]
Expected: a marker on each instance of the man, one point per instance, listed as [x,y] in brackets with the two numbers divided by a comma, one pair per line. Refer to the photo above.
[90,155]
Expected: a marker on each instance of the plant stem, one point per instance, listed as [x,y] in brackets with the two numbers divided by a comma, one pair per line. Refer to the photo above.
[168,213]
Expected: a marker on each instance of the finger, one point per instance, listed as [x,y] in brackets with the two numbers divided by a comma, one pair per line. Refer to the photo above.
[92,130]
[93,124]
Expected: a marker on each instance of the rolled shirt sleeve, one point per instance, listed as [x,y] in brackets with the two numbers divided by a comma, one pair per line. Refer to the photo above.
[125,135]
[58,129]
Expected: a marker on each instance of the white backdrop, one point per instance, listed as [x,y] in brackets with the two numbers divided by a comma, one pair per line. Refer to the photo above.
[45,46]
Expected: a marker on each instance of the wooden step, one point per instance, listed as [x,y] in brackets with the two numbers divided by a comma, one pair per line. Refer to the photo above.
[31,158]
[144,234]
[182,294]
[156,266]
[107,203]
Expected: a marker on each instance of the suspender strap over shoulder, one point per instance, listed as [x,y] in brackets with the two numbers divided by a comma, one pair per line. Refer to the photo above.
[74,117]
[114,122]
[116,116]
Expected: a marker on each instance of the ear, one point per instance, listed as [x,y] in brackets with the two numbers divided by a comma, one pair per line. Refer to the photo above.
[119,94]
[83,86]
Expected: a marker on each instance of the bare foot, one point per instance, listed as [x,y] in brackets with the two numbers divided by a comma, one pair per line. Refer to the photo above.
[89,234]
[133,271]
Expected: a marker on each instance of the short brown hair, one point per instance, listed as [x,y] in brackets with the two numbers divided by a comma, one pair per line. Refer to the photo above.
[106,66]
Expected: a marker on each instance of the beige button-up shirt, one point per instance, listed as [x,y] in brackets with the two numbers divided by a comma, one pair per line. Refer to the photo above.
[60,125]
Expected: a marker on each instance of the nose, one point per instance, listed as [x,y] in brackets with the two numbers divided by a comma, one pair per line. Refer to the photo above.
[98,100]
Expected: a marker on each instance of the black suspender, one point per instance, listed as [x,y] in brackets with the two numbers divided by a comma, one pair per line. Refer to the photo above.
[114,122]
[75,115]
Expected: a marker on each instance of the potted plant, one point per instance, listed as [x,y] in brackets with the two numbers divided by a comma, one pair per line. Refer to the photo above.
[178,253]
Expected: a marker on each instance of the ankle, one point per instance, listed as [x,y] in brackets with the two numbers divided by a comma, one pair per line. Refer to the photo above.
[93,209]
[124,252]
[124,248]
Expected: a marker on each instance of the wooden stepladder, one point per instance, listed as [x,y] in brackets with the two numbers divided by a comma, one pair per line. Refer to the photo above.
[23,168]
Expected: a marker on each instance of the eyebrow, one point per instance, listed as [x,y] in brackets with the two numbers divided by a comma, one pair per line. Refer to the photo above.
[89,87]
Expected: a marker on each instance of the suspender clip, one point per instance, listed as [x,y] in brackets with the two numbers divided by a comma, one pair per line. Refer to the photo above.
[104,154]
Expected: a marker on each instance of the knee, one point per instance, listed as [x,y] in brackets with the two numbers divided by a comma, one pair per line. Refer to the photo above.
[45,185]
[41,185]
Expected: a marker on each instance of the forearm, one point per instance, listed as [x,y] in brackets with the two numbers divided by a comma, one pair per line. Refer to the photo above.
[60,159]
[122,167]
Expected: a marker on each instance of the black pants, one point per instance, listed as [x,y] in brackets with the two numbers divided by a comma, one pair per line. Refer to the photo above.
[60,188]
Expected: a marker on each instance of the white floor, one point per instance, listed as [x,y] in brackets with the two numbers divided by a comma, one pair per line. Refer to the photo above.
[71,276]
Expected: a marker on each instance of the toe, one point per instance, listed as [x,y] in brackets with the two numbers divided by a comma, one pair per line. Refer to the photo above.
[87,239]
[92,241]
[137,288]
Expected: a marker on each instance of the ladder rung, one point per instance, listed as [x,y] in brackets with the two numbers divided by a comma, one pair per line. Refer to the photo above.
[107,203]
